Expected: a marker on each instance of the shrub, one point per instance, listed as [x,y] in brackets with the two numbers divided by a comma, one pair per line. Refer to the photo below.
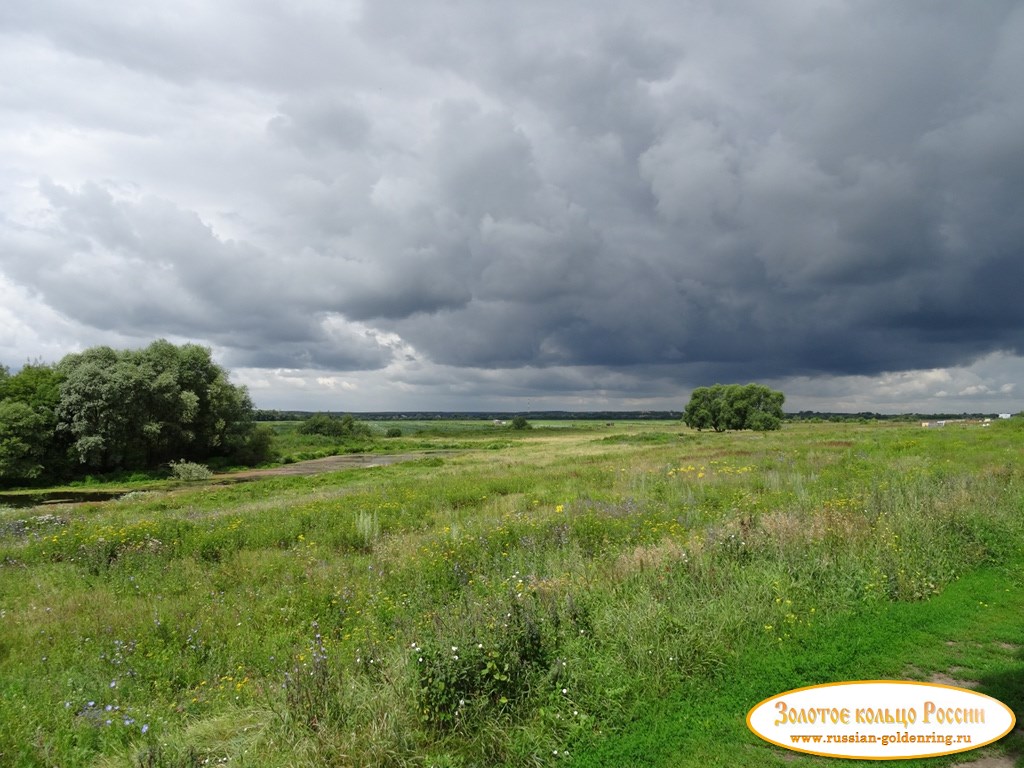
[190,471]
[367,529]
[492,670]
[520,422]
[329,426]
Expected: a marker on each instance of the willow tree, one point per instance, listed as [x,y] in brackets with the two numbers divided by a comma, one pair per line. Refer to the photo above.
[734,406]
[140,408]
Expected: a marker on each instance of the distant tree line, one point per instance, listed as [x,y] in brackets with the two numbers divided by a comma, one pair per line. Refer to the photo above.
[868,416]
[289,415]
[734,406]
[106,410]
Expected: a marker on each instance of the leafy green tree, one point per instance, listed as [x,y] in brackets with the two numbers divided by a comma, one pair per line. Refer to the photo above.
[142,408]
[24,441]
[30,449]
[104,409]
[734,406]
[36,384]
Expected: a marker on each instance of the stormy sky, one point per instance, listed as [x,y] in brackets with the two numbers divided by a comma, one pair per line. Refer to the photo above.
[466,204]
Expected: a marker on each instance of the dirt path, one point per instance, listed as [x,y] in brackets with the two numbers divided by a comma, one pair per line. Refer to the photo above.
[328,464]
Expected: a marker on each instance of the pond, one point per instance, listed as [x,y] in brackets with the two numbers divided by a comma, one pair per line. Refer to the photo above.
[55,497]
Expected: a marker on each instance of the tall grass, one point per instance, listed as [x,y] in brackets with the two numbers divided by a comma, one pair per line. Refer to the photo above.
[491,608]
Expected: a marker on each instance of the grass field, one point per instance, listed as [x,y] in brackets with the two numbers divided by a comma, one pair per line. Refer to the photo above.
[575,594]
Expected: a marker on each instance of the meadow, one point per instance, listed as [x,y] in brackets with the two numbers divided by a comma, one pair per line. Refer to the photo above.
[574,594]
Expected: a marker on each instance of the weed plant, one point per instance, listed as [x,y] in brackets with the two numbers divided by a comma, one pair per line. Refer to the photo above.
[496,607]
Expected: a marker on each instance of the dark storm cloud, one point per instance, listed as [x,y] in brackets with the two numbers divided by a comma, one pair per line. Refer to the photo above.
[799,199]
[652,195]
[149,269]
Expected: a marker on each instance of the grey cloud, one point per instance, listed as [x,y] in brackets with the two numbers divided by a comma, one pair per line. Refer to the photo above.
[653,194]
[266,44]
[150,268]
[321,121]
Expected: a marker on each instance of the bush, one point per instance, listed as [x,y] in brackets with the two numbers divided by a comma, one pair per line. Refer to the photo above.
[520,422]
[393,432]
[257,447]
[190,471]
[330,426]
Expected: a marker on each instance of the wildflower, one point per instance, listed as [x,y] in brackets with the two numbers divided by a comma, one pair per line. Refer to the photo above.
[145,727]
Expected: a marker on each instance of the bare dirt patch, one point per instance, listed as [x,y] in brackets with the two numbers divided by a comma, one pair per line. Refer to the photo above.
[328,464]
[991,761]
[943,679]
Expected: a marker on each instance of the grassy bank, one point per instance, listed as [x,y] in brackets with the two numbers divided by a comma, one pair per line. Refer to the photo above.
[973,630]
[526,597]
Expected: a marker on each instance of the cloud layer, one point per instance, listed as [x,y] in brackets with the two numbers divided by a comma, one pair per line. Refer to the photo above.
[455,204]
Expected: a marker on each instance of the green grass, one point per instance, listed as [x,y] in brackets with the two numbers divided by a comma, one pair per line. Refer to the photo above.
[973,629]
[532,592]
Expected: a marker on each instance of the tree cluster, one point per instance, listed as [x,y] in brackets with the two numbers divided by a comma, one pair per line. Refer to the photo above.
[734,406]
[329,426]
[106,410]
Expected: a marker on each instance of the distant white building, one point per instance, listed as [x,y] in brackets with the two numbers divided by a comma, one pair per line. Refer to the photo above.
[1004,415]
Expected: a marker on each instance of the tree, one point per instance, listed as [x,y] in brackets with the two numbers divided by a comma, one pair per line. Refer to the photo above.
[734,406]
[141,408]
[104,409]
[24,441]
[30,450]
[329,426]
